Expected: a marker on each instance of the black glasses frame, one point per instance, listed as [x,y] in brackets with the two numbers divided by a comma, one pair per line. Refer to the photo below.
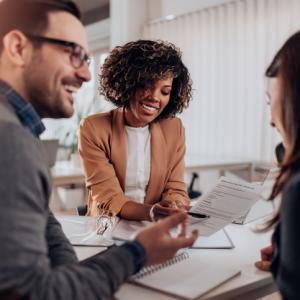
[77,56]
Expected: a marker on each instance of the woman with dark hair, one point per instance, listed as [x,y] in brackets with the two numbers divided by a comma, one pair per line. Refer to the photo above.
[282,257]
[133,156]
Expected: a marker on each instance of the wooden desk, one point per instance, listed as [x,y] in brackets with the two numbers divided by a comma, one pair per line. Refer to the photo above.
[251,284]
[64,173]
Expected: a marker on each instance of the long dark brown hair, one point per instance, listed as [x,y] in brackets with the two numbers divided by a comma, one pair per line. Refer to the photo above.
[286,67]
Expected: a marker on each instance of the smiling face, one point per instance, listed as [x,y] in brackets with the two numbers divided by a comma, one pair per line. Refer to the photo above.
[50,78]
[147,105]
[274,98]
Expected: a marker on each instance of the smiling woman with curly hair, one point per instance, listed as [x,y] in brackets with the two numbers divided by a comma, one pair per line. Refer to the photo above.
[133,156]
[137,66]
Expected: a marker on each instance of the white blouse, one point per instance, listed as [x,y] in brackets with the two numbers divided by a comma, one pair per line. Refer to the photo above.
[138,162]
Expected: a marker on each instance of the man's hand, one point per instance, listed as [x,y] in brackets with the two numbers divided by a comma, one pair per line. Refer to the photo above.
[159,244]
[266,258]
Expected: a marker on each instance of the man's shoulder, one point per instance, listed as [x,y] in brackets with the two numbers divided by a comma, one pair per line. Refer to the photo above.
[14,133]
[20,146]
[7,113]
[23,162]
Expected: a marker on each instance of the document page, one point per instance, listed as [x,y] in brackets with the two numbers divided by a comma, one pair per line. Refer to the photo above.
[227,201]
[127,230]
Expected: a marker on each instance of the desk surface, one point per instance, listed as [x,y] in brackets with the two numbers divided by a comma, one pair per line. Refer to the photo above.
[251,284]
[64,172]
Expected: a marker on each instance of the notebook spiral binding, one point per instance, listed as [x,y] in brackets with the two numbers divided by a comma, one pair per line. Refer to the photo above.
[151,269]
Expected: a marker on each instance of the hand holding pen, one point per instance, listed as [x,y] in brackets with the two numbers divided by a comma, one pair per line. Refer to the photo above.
[166,208]
[179,205]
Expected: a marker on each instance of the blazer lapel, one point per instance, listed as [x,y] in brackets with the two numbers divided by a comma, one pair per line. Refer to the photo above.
[158,164]
[118,146]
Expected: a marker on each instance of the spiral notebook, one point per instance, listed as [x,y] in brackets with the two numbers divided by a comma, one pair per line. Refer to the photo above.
[185,276]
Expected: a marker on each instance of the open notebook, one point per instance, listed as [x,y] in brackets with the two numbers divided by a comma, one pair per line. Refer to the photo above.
[185,276]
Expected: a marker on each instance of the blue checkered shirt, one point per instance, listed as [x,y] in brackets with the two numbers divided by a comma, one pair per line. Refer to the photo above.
[24,110]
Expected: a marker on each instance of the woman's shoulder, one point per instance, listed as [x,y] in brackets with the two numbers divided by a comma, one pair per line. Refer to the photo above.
[291,192]
[171,123]
[172,130]
[294,183]
[99,119]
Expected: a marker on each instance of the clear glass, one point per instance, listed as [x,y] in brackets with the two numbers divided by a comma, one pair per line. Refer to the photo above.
[105,222]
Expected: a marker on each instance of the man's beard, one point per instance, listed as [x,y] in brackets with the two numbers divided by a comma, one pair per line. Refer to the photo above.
[48,103]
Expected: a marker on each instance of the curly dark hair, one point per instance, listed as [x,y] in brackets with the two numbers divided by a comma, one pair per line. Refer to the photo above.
[138,66]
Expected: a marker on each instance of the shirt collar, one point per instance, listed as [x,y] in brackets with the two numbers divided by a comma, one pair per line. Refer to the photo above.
[26,113]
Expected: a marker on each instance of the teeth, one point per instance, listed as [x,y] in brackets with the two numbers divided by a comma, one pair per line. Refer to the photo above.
[71,88]
[149,107]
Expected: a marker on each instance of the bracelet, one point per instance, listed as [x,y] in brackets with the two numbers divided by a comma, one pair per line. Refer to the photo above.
[151,213]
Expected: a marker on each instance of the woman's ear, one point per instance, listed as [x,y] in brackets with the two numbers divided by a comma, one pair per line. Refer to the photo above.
[17,48]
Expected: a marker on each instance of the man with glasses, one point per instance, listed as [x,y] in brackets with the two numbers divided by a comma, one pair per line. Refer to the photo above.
[43,61]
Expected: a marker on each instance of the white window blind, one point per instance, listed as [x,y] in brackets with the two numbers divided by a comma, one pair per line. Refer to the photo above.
[227,49]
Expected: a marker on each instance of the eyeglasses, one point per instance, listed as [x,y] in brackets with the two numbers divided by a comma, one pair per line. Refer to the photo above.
[78,55]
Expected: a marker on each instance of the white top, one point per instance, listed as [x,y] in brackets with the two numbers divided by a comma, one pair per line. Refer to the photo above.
[138,162]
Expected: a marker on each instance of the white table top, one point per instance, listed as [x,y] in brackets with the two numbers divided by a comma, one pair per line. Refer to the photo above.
[249,284]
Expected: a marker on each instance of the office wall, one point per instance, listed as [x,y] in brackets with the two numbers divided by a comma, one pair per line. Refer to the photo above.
[227,49]
[178,7]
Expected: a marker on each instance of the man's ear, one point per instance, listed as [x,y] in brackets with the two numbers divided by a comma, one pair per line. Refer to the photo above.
[17,47]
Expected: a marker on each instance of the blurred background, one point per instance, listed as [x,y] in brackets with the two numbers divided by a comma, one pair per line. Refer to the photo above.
[226,45]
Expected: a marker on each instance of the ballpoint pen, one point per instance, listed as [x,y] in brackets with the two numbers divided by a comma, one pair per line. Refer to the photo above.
[197,215]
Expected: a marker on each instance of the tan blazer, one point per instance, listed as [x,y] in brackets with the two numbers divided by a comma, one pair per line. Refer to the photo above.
[103,148]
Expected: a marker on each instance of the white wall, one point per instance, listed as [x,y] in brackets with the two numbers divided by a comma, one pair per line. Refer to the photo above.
[127,20]
[178,7]
[127,17]
[98,35]
[227,49]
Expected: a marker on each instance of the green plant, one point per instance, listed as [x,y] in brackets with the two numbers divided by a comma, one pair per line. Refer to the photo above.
[68,131]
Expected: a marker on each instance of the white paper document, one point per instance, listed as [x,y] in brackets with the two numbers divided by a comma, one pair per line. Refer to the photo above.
[227,201]
[127,230]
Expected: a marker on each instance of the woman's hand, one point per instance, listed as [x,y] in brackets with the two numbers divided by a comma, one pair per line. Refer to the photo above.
[159,211]
[175,204]
[266,254]
[165,208]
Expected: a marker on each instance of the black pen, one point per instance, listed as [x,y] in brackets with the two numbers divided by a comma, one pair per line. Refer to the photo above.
[197,215]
